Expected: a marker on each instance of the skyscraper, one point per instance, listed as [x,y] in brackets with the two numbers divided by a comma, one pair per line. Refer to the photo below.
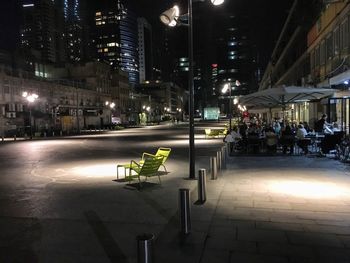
[145,50]
[115,38]
[42,30]
[74,31]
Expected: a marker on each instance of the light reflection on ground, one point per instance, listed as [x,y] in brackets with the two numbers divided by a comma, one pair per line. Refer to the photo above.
[314,190]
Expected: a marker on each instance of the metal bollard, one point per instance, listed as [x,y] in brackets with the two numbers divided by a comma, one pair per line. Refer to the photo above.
[2,138]
[14,137]
[145,252]
[202,182]
[224,157]
[218,159]
[213,168]
[185,212]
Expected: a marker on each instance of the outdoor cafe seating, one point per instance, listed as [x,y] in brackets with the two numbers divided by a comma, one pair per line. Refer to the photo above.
[313,143]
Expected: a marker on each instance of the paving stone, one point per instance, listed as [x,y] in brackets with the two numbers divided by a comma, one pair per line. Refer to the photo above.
[339,230]
[274,205]
[261,235]
[315,239]
[345,240]
[251,258]
[279,226]
[222,231]
[285,250]
[215,255]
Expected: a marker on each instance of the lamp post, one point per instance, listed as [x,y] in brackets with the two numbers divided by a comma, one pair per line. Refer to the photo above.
[172,17]
[111,106]
[227,87]
[30,97]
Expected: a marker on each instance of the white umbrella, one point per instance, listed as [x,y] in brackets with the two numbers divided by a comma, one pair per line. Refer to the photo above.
[282,95]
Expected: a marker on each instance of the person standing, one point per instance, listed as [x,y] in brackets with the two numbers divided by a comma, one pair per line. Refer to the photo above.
[321,123]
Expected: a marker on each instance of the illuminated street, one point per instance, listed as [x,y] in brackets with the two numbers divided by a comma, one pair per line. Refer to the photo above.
[60,203]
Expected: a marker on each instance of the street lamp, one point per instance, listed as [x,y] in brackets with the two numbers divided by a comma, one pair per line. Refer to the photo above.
[30,97]
[111,105]
[172,17]
[227,87]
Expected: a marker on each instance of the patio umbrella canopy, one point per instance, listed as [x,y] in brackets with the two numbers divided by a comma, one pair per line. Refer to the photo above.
[283,95]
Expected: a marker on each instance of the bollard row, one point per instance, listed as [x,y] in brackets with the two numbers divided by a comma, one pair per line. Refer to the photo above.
[202,182]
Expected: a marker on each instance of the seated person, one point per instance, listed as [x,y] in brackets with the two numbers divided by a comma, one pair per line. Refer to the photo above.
[336,127]
[232,138]
[271,140]
[327,129]
[288,139]
[302,142]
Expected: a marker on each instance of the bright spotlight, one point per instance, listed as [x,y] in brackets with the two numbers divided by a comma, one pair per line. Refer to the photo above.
[217,2]
[170,16]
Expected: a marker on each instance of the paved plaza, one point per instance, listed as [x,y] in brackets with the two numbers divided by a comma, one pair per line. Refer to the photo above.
[285,209]
[260,209]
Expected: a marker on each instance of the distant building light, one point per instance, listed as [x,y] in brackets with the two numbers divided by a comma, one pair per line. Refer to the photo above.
[214,65]
[346,82]
[232,43]
[28,5]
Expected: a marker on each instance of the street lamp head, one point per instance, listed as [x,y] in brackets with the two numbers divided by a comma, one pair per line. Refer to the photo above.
[217,2]
[225,88]
[170,16]
[30,97]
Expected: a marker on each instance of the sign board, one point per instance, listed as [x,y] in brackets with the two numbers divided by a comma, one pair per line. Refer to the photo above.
[211,113]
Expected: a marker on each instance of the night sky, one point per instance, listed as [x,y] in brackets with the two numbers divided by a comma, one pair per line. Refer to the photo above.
[267,17]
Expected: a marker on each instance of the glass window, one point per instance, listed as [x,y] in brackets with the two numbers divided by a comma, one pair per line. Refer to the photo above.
[317,56]
[336,41]
[345,34]
[322,53]
[329,47]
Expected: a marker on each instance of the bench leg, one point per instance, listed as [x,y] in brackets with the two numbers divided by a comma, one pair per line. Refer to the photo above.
[164,168]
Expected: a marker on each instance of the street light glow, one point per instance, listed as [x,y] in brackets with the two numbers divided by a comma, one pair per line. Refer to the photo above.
[30,97]
[217,2]
[225,88]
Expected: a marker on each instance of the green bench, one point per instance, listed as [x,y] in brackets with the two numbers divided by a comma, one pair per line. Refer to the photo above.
[148,168]
[209,133]
[162,151]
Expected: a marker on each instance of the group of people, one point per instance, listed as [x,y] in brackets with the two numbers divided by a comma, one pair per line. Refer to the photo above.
[286,135]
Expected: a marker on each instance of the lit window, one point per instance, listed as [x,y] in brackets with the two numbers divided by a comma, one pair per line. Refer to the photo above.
[98,13]
[112,44]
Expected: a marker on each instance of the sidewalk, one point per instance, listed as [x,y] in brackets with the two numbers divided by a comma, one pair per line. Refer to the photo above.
[268,209]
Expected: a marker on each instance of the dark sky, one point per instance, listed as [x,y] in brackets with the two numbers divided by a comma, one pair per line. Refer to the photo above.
[266,17]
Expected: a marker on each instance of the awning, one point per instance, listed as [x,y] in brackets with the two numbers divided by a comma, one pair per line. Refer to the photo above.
[340,78]
[283,95]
